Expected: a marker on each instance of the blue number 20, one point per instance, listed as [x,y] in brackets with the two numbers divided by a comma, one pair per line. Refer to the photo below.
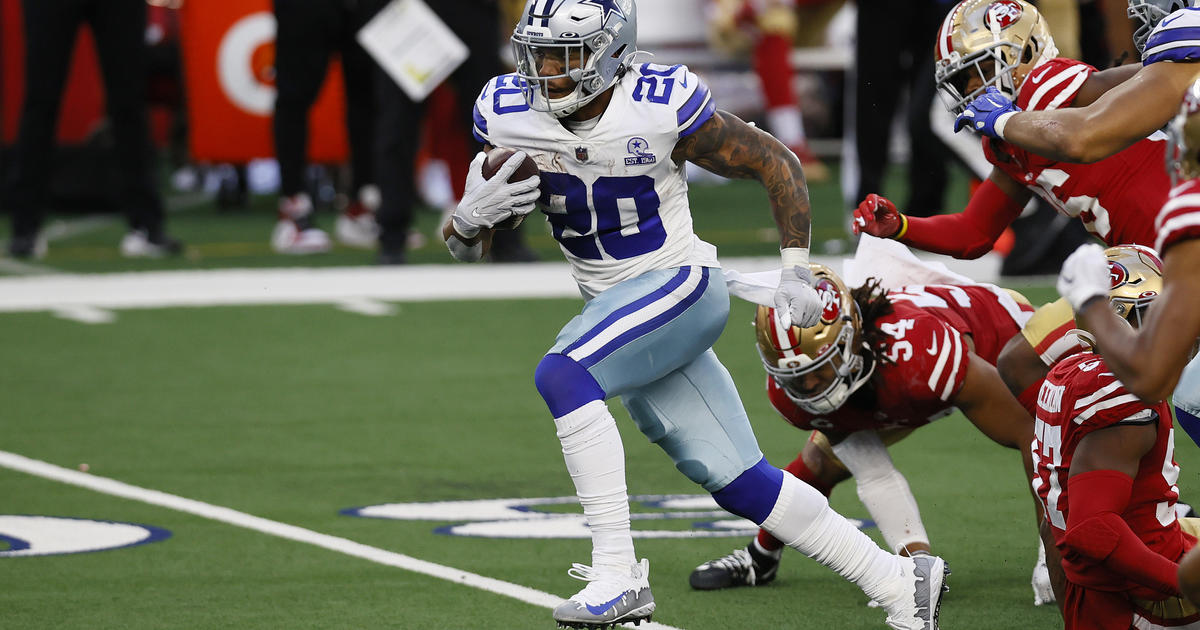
[582,230]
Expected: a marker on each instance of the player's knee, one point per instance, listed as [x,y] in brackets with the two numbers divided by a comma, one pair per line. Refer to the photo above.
[564,384]
[754,493]
[827,472]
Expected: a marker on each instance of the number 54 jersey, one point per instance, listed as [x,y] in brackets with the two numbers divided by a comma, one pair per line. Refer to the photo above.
[616,201]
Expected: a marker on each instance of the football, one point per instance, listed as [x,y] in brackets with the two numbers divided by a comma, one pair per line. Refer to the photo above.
[528,168]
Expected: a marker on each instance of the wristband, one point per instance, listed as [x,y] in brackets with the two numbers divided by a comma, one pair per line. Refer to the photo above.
[903,227]
[794,257]
[1001,122]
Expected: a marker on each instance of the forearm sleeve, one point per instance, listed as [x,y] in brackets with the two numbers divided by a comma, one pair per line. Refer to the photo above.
[967,234]
[1096,530]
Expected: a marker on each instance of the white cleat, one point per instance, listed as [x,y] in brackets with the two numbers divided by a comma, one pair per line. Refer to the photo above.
[922,583]
[1043,592]
[356,227]
[289,237]
[612,596]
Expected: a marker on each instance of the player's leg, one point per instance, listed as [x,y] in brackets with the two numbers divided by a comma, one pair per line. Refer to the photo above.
[1187,400]
[695,415]
[620,340]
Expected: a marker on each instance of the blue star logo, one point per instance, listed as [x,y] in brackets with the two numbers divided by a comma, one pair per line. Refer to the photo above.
[608,7]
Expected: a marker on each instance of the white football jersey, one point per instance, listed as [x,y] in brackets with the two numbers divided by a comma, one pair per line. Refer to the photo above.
[1174,38]
[616,201]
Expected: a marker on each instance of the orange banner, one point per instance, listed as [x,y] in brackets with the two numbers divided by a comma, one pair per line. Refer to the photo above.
[228,66]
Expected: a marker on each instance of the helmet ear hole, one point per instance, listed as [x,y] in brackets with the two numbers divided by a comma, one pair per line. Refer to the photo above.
[1027,54]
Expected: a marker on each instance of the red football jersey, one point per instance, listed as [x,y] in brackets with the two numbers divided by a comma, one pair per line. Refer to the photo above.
[1118,197]
[1179,219]
[928,357]
[1079,396]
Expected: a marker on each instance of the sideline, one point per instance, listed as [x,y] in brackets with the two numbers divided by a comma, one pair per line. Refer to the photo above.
[230,516]
[335,285]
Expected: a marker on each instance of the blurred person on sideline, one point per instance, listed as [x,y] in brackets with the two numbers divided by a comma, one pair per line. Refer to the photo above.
[770,28]
[309,32]
[119,27]
[477,24]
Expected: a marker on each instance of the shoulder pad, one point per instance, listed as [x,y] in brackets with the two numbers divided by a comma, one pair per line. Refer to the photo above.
[678,88]
[1053,84]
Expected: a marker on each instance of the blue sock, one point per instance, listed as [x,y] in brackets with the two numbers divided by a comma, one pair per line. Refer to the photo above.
[1189,423]
[754,493]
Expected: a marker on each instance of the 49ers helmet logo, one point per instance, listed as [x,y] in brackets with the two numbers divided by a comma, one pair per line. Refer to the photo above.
[1003,14]
[1117,274]
[832,299]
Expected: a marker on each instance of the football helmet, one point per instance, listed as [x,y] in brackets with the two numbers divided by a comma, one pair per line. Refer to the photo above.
[1183,138]
[820,366]
[1136,275]
[590,42]
[997,41]
[1150,13]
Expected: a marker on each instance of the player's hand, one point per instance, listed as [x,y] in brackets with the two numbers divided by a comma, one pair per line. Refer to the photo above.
[877,216]
[987,114]
[1084,276]
[796,302]
[487,202]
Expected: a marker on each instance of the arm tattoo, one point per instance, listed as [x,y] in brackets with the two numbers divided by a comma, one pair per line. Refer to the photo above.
[729,147]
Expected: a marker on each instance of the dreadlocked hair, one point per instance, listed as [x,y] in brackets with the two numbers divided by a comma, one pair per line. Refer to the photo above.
[873,304]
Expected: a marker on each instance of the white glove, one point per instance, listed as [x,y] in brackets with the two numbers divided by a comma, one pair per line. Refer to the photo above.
[487,202]
[1084,276]
[796,302]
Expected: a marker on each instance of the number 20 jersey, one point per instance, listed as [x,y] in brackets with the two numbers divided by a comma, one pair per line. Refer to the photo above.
[1080,395]
[616,201]
[1116,198]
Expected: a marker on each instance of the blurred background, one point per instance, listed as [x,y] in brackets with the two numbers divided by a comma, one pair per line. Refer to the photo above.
[272,139]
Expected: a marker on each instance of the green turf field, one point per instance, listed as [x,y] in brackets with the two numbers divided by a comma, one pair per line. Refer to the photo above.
[296,413]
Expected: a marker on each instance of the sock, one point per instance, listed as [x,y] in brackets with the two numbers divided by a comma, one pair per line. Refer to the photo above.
[804,521]
[787,125]
[769,544]
[1188,422]
[774,70]
[595,459]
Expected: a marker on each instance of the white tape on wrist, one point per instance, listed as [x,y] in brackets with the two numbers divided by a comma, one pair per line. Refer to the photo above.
[462,251]
[794,257]
[1001,123]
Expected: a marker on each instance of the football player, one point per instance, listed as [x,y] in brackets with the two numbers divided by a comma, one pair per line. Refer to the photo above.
[878,365]
[610,137]
[1106,476]
[1121,117]
[1151,360]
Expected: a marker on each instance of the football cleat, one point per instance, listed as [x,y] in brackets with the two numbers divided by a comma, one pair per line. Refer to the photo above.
[611,597]
[356,227]
[743,567]
[923,581]
[142,244]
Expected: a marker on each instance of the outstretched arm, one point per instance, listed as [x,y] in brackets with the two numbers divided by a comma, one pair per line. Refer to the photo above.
[1120,117]
[728,146]
[1149,361]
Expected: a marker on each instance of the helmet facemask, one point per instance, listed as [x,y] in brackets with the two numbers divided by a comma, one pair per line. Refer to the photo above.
[1150,14]
[986,43]
[820,366]
[587,44]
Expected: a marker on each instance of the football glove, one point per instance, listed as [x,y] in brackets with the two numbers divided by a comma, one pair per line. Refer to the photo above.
[987,114]
[796,302]
[1084,276]
[878,216]
[487,202]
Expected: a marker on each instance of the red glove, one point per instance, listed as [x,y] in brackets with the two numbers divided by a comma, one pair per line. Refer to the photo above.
[879,217]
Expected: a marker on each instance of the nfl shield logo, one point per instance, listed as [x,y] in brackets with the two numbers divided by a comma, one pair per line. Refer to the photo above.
[581,154]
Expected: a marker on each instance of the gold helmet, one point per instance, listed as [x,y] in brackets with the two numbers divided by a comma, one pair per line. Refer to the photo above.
[1136,275]
[1183,138]
[997,42]
[820,366]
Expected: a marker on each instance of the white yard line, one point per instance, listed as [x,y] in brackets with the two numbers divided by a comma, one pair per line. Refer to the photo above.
[230,516]
[328,285]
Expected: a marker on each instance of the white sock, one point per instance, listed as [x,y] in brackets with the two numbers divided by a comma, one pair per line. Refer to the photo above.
[803,520]
[595,460]
[786,124]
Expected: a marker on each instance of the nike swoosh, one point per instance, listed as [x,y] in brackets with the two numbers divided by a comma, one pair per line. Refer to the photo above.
[1068,279]
[600,610]
[1037,78]
[932,349]
[1170,19]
